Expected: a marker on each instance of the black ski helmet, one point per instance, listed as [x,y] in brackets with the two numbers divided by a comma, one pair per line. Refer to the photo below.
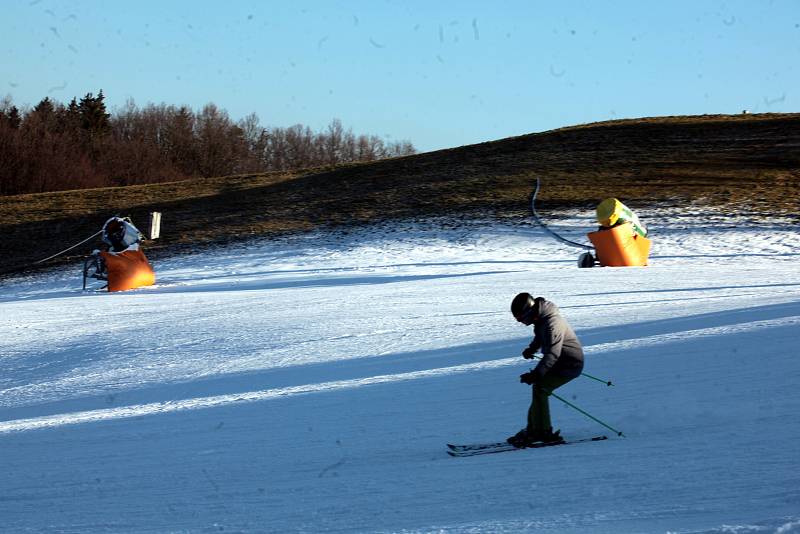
[522,305]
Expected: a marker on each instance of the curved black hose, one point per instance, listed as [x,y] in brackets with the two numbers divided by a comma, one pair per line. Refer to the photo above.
[548,230]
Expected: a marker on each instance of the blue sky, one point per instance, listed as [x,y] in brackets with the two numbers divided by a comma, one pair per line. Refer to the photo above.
[439,74]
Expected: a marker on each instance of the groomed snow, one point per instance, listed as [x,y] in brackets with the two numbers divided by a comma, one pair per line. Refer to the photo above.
[310,384]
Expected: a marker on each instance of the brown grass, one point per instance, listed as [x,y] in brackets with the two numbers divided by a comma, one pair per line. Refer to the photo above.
[747,163]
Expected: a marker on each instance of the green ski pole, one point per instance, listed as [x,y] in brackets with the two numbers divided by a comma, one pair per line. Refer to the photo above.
[590,416]
[587,375]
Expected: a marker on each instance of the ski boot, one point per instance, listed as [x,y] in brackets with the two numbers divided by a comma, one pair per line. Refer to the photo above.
[519,439]
[524,438]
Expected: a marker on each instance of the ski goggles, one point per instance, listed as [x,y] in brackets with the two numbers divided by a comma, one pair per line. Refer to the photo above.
[526,316]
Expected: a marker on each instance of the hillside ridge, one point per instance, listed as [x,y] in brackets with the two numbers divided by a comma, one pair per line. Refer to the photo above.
[748,163]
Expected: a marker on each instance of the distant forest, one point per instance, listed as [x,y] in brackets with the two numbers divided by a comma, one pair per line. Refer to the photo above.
[80,145]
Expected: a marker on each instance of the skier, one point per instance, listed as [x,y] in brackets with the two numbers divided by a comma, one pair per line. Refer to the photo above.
[561,361]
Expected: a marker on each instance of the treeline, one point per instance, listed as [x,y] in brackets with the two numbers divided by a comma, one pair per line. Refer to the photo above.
[80,145]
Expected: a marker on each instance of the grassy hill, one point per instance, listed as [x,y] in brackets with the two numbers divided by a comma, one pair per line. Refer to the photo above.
[748,163]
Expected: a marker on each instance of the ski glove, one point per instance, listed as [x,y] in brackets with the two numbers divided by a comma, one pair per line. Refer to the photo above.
[528,353]
[527,378]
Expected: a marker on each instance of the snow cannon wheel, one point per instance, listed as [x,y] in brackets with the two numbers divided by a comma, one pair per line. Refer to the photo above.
[585,260]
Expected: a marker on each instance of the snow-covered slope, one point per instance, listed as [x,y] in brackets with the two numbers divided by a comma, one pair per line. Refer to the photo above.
[310,384]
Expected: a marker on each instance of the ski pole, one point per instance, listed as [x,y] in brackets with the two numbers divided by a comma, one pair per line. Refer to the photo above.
[590,416]
[587,375]
[606,382]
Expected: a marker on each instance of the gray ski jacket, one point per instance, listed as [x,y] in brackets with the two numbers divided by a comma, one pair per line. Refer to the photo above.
[562,353]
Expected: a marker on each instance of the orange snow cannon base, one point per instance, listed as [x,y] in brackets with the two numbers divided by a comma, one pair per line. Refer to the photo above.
[620,246]
[128,270]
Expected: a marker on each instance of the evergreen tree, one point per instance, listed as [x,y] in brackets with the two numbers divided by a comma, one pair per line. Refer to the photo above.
[45,107]
[9,114]
[14,120]
[69,119]
[45,113]
[94,118]
[179,142]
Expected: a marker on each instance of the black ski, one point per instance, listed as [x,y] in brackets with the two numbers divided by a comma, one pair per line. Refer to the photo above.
[476,446]
[501,446]
[481,446]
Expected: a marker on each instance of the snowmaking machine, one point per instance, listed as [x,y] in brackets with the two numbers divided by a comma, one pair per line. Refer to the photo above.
[620,240]
[122,264]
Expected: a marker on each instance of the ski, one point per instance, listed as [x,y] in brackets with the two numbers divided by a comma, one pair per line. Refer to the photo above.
[476,446]
[501,446]
[481,446]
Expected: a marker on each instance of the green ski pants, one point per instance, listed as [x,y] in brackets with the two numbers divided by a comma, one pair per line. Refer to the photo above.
[539,412]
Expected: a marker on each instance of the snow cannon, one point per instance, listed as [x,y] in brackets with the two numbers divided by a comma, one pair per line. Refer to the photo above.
[122,264]
[621,240]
